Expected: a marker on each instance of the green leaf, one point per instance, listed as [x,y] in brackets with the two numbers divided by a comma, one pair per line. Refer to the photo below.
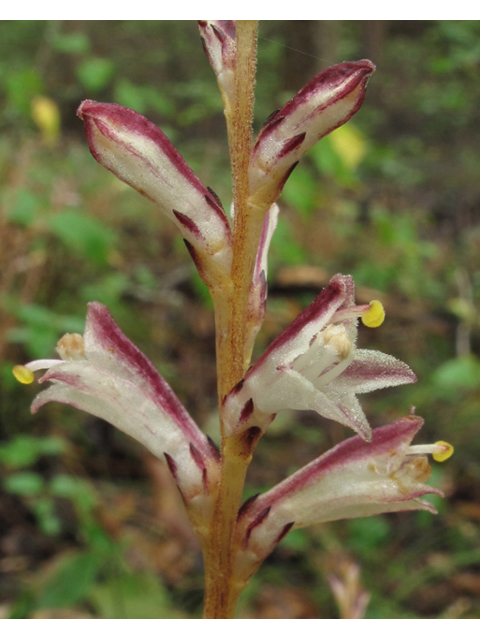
[24,208]
[24,450]
[367,534]
[130,95]
[75,42]
[75,489]
[85,236]
[25,483]
[44,510]
[22,86]
[95,73]
[458,375]
[138,596]
[72,582]
[301,191]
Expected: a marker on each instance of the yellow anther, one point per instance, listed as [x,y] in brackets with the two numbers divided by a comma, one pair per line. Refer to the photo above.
[375,315]
[23,374]
[445,454]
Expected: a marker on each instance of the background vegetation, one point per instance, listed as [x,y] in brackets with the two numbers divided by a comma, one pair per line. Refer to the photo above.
[90,524]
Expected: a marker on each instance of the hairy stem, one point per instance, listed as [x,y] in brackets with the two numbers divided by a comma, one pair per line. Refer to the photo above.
[239,119]
[221,588]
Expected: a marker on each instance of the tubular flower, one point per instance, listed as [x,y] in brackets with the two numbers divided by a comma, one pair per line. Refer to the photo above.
[314,364]
[352,480]
[105,374]
[141,155]
[325,103]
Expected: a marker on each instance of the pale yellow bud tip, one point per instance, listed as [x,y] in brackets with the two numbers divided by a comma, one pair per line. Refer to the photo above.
[374,315]
[441,456]
[23,374]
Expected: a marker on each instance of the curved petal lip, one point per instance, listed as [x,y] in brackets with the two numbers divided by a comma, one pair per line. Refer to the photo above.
[386,439]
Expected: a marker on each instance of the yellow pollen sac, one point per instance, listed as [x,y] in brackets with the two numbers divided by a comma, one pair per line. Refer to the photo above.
[23,374]
[375,315]
[443,455]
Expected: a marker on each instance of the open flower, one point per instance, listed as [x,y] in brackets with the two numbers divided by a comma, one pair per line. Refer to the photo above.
[141,155]
[314,364]
[352,480]
[105,374]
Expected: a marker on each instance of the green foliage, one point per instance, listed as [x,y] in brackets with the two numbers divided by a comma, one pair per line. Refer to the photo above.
[84,235]
[26,450]
[72,581]
[24,483]
[95,73]
[133,595]
[40,328]
[455,376]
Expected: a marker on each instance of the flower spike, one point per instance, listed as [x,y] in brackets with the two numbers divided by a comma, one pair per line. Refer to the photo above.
[314,364]
[105,374]
[354,479]
[141,155]
[330,99]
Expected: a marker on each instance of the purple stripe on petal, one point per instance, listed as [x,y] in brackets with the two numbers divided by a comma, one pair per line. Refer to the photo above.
[283,532]
[246,506]
[325,304]
[384,439]
[291,144]
[282,182]
[197,457]
[70,379]
[91,113]
[197,261]
[328,80]
[372,370]
[214,449]
[188,223]
[258,521]
[213,200]
[102,333]
[246,411]
[172,466]
[114,121]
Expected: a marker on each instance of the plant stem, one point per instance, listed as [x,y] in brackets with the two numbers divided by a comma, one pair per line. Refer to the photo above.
[239,126]
[221,588]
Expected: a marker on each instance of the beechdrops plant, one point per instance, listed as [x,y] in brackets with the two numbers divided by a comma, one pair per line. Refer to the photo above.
[313,364]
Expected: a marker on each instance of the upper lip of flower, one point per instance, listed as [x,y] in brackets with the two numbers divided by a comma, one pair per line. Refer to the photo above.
[313,364]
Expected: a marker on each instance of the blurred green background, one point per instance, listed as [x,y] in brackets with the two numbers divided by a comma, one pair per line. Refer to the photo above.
[90,524]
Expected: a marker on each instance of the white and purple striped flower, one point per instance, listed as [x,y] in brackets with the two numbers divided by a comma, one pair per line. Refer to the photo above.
[140,154]
[106,375]
[314,364]
[329,100]
[353,480]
